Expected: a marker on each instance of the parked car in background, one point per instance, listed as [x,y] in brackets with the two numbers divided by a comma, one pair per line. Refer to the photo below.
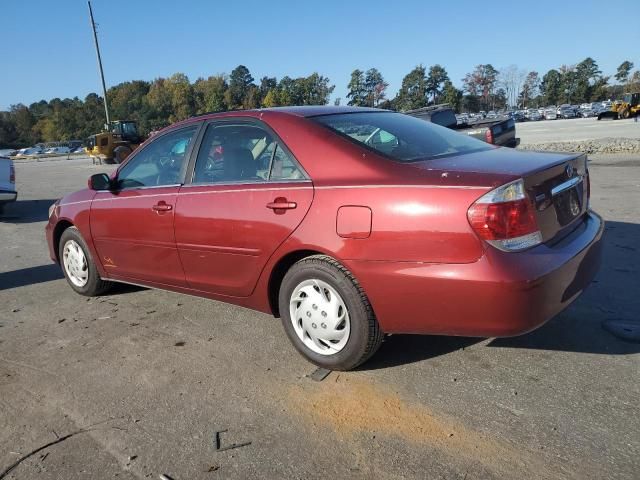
[533,115]
[8,191]
[27,152]
[590,112]
[499,131]
[348,223]
[519,116]
[566,112]
[550,114]
[58,150]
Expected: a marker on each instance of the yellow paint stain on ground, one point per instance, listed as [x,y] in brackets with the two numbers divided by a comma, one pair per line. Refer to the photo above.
[351,405]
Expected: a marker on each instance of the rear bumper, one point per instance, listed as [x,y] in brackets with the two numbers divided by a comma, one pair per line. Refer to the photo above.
[512,143]
[7,196]
[502,294]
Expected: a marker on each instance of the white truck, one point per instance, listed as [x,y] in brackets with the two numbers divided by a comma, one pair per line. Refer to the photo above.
[8,191]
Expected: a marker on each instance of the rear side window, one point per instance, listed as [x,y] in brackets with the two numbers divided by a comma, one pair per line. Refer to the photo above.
[242,153]
[401,137]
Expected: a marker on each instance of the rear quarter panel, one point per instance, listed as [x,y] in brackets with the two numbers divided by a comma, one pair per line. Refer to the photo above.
[408,224]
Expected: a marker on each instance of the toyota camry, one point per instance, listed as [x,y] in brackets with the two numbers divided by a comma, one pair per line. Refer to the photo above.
[347,223]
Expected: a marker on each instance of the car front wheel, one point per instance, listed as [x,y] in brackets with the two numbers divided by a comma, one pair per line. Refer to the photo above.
[78,266]
[327,315]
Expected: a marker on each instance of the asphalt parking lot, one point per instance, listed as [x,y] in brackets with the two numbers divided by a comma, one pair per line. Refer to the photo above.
[144,379]
[577,129]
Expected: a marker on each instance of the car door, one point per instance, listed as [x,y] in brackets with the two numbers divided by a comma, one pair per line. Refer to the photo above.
[246,196]
[132,225]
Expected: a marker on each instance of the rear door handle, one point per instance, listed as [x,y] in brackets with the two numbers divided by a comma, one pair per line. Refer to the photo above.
[162,207]
[281,203]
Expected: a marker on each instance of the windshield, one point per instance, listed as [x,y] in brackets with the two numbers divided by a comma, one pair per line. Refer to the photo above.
[129,128]
[401,137]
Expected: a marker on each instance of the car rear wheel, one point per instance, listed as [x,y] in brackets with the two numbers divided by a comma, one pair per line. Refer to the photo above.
[327,315]
[78,266]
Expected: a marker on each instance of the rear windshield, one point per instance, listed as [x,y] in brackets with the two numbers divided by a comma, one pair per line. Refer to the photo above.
[401,137]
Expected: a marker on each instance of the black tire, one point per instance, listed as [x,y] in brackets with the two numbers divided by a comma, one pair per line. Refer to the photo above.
[625,113]
[365,334]
[95,285]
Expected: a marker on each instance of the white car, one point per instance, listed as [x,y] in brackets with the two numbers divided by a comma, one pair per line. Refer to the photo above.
[57,150]
[27,152]
[7,182]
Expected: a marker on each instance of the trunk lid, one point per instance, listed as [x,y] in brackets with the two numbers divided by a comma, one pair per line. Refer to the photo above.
[557,184]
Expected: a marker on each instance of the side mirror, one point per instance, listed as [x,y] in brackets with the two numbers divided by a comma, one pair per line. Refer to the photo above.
[99,181]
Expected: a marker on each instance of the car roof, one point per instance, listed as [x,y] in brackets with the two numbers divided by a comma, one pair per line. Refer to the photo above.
[297,111]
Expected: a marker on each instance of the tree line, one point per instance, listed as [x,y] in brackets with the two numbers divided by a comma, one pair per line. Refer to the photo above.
[163,101]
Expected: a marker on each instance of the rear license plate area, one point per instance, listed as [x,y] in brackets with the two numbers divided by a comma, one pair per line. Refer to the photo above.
[567,205]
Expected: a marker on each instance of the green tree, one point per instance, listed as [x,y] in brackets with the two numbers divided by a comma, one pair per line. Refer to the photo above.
[240,82]
[375,87]
[529,89]
[24,121]
[481,82]
[551,87]
[210,94]
[634,82]
[357,94]
[8,134]
[471,103]
[126,100]
[436,79]
[271,99]
[315,89]
[413,91]
[266,84]
[623,71]
[452,96]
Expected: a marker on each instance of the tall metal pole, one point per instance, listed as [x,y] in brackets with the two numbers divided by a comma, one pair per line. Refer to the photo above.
[95,39]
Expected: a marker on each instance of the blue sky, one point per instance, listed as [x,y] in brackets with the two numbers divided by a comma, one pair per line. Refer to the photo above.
[47,48]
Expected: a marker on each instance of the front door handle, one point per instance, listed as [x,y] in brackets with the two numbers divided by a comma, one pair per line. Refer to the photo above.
[162,207]
[280,204]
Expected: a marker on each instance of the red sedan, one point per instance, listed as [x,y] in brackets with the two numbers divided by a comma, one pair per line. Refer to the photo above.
[348,223]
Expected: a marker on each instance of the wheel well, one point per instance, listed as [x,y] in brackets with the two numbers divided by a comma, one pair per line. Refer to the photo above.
[278,273]
[61,226]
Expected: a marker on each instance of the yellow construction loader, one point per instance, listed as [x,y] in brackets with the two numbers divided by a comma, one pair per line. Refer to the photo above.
[114,143]
[628,107]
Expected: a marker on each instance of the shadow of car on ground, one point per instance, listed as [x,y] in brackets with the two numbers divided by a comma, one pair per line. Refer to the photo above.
[612,297]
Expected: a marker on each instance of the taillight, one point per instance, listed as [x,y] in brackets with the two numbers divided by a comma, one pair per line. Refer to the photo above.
[505,218]
[12,173]
[488,136]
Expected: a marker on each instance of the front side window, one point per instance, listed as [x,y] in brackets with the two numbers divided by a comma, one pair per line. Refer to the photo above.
[160,163]
[242,153]
[401,137]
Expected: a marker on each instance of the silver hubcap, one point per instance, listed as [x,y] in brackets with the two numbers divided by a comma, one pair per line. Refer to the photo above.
[319,317]
[75,263]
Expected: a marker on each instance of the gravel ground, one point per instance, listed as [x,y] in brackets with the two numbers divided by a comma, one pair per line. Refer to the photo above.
[601,146]
[145,378]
